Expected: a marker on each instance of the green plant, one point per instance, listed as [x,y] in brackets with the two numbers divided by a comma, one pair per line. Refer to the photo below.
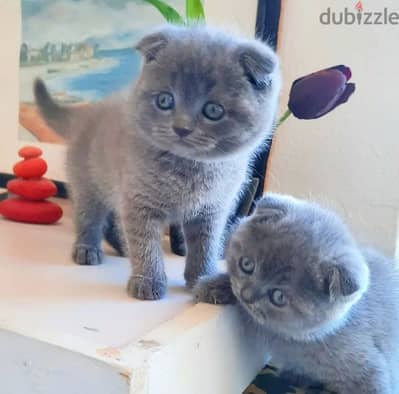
[194,12]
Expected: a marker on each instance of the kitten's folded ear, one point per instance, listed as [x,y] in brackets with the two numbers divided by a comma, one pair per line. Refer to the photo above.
[269,209]
[258,62]
[150,45]
[347,278]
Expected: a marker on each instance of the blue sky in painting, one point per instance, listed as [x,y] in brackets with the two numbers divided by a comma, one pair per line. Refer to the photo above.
[110,23]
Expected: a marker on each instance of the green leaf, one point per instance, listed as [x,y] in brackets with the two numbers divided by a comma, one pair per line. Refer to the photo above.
[168,12]
[195,11]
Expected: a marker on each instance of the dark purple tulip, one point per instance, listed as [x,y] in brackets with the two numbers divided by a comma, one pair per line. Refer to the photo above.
[319,93]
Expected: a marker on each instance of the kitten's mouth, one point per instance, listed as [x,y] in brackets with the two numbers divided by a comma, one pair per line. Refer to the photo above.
[257,312]
[186,146]
[195,145]
[186,143]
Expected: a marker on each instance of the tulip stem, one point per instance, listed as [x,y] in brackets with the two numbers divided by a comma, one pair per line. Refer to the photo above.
[286,115]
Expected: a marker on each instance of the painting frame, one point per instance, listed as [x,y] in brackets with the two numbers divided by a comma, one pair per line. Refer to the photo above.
[267,29]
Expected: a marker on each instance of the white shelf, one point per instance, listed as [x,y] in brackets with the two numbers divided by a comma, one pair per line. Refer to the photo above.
[72,329]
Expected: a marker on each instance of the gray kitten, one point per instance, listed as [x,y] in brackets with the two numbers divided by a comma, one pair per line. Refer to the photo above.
[328,310]
[175,148]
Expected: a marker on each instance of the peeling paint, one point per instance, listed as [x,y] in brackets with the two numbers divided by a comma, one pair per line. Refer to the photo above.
[125,375]
[110,352]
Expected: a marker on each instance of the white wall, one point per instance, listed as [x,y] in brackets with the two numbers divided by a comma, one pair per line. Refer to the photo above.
[238,15]
[350,158]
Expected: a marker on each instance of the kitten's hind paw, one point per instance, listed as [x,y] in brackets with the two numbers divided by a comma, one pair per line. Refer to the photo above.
[145,288]
[87,255]
[214,290]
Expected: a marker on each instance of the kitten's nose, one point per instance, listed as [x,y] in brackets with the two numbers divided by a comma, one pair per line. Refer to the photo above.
[182,132]
[249,295]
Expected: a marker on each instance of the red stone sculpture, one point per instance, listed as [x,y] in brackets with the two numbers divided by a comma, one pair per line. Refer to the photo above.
[30,205]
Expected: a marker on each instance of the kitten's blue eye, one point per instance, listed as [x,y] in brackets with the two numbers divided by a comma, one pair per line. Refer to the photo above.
[165,101]
[213,111]
[246,265]
[278,298]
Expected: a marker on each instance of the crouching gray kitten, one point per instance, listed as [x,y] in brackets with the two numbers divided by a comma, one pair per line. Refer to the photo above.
[175,148]
[329,311]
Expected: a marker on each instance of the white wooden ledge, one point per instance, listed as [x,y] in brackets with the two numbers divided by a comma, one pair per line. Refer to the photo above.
[72,329]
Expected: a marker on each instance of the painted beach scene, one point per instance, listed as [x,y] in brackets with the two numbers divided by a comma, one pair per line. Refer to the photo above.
[82,49]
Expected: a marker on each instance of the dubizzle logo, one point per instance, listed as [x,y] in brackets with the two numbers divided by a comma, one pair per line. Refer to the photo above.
[359,6]
[359,17]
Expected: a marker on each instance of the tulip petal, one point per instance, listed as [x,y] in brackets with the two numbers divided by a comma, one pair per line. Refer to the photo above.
[298,80]
[344,70]
[315,95]
[350,89]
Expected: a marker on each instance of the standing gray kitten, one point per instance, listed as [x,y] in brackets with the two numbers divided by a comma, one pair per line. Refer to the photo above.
[329,311]
[176,148]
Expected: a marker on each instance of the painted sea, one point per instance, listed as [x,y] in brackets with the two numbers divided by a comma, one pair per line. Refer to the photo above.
[120,68]
[74,82]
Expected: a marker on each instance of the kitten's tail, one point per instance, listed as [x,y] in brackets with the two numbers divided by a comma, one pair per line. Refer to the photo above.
[58,117]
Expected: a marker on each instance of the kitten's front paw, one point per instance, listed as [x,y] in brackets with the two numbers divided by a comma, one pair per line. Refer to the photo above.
[214,290]
[87,255]
[145,288]
[193,276]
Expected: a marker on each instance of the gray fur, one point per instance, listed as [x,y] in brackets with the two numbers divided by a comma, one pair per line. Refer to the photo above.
[340,324]
[125,154]
[113,234]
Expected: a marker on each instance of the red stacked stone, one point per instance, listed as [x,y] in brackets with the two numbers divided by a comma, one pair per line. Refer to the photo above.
[32,190]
